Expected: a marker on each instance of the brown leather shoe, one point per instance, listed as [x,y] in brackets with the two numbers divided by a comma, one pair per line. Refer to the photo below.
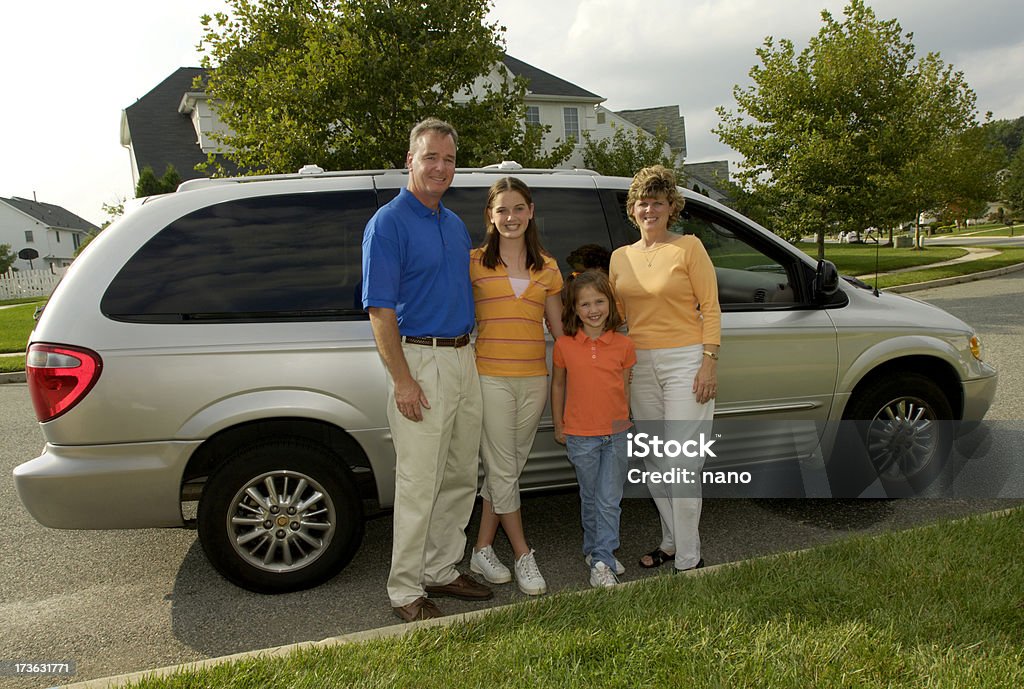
[464,587]
[420,609]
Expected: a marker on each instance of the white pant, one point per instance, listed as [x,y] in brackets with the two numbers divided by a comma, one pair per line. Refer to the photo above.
[662,390]
[435,470]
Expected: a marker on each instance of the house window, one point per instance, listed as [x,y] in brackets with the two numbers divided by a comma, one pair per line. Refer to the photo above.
[600,118]
[532,114]
[29,237]
[57,232]
[571,117]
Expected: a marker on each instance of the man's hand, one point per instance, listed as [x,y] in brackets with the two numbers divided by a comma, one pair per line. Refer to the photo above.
[410,399]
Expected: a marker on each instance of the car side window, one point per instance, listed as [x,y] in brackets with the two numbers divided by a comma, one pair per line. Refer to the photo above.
[279,257]
[750,277]
[570,222]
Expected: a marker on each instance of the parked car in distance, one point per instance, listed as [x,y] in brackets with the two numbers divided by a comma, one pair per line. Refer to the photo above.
[207,362]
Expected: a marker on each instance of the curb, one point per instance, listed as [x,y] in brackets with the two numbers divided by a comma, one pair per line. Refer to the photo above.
[16,377]
[407,628]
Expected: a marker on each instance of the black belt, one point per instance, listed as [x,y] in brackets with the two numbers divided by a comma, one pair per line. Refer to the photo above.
[460,341]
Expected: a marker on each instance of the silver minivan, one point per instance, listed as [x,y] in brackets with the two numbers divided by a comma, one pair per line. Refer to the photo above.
[206,362]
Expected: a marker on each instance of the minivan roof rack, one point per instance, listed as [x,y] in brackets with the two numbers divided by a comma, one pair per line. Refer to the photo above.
[311,170]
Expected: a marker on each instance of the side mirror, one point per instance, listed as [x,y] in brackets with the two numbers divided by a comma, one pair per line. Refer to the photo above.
[826,280]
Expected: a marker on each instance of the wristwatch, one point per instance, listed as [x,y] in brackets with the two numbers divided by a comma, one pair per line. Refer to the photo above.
[713,355]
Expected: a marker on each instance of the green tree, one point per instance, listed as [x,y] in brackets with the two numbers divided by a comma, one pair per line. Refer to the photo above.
[830,134]
[965,177]
[7,259]
[1007,133]
[150,185]
[341,82]
[1013,185]
[626,152]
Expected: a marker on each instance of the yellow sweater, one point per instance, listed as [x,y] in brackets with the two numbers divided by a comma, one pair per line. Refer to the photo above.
[668,296]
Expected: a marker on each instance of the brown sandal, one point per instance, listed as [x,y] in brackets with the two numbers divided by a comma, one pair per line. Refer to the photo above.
[658,558]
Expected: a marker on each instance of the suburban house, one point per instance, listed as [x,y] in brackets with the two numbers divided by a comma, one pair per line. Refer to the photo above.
[53,232]
[172,123]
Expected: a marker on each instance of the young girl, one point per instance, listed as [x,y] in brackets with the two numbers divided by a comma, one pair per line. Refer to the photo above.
[590,410]
[515,286]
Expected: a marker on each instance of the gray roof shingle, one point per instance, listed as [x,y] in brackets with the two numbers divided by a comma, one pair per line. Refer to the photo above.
[648,119]
[542,83]
[50,215]
[162,136]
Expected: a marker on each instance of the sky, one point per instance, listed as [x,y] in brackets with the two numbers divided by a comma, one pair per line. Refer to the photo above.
[72,67]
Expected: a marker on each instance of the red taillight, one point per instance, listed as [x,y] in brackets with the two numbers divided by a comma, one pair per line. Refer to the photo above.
[59,377]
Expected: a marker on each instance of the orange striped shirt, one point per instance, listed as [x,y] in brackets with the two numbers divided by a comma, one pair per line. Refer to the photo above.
[510,332]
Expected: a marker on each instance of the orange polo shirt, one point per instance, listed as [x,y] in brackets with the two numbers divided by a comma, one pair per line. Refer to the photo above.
[595,394]
[510,332]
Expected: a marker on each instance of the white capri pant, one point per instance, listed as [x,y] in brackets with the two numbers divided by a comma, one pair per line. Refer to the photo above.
[512,408]
[662,390]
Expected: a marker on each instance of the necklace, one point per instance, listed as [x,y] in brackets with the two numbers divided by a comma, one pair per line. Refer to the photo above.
[652,253]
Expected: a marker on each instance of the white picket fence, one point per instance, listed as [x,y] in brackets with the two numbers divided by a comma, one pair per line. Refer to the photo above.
[29,283]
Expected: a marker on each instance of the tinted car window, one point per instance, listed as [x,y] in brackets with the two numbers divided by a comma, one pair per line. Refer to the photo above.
[751,274]
[270,257]
[567,219]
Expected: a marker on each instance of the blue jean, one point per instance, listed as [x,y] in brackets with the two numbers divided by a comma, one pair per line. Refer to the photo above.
[601,465]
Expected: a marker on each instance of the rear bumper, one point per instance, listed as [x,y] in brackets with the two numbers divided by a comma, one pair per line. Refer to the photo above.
[128,486]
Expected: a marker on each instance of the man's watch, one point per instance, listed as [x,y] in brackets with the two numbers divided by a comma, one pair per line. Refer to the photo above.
[712,355]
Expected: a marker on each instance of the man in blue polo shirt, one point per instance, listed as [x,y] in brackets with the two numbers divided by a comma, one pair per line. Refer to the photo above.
[416,289]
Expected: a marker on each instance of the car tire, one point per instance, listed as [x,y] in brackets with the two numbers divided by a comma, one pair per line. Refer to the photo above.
[903,425]
[279,516]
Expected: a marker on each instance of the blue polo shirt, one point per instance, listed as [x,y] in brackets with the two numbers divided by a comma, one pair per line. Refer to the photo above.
[416,261]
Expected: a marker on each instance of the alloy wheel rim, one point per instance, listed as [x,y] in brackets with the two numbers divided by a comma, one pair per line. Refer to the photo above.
[902,439]
[281,521]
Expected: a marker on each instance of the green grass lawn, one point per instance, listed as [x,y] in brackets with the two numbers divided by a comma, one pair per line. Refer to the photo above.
[1007,257]
[1000,231]
[15,325]
[984,230]
[12,364]
[941,606]
[23,300]
[859,259]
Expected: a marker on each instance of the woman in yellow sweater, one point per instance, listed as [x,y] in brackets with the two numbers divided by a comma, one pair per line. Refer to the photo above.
[666,286]
[516,284]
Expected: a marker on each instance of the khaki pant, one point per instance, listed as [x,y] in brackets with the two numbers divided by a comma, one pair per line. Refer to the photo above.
[512,409]
[435,471]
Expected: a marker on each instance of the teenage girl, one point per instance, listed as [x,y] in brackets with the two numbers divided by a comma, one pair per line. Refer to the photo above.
[590,410]
[516,285]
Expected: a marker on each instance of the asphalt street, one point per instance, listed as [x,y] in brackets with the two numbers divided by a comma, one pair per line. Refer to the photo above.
[123,601]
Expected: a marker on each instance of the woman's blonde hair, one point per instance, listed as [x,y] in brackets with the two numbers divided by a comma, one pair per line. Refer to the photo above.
[652,182]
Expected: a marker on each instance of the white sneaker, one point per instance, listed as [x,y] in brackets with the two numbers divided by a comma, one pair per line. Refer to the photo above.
[528,576]
[602,577]
[485,562]
[620,568]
